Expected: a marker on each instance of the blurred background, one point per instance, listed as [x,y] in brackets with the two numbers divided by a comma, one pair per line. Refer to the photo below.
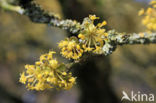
[100,79]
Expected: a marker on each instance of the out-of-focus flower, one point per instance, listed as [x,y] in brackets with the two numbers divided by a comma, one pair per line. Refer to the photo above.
[149,16]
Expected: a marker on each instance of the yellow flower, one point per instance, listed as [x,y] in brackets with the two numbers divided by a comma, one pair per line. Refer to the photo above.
[98,50]
[102,24]
[92,37]
[141,35]
[64,73]
[53,63]
[46,73]
[141,12]
[38,63]
[70,48]
[23,78]
[149,11]
[153,2]
[93,17]
[72,80]
[81,36]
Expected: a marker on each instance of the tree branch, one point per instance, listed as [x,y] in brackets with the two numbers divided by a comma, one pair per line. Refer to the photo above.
[133,38]
[115,38]
[38,15]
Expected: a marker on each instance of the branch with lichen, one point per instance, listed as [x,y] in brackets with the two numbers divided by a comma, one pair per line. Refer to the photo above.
[39,15]
[89,39]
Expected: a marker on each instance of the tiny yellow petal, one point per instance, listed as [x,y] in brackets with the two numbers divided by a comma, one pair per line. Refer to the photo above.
[141,12]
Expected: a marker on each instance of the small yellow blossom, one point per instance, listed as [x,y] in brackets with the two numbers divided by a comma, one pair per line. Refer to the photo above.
[149,11]
[102,24]
[38,63]
[81,36]
[72,79]
[70,48]
[64,73]
[47,73]
[141,35]
[141,12]
[23,78]
[93,17]
[153,2]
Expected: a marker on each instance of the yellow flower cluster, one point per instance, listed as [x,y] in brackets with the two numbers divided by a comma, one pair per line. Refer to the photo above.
[70,48]
[47,73]
[91,39]
[149,19]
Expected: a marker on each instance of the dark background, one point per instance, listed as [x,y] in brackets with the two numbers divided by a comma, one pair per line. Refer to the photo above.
[100,79]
